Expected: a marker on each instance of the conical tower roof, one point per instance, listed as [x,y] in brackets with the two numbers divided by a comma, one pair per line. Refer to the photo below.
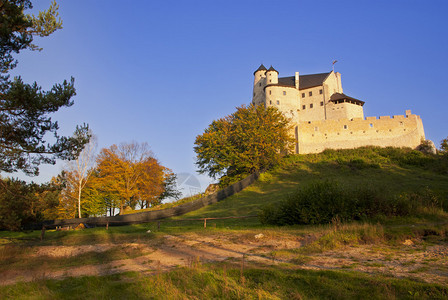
[272,69]
[260,68]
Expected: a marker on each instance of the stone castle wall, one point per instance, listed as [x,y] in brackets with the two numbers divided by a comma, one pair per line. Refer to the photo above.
[323,123]
[396,131]
[312,108]
[344,111]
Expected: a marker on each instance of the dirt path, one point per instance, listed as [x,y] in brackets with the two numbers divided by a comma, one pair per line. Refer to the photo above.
[429,265]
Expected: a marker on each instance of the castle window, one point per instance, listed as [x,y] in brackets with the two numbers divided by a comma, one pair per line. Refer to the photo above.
[321,103]
[401,123]
[284,92]
[345,126]
[320,91]
[278,102]
[270,101]
[270,80]
[259,84]
[316,128]
[303,95]
[371,125]
[303,106]
[310,94]
[311,105]
[270,92]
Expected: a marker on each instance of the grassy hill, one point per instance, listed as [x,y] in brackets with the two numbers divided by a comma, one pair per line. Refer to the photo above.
[380,258]
[390,170]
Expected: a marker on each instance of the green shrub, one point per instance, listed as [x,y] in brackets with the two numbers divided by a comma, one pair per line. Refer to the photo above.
[325,201]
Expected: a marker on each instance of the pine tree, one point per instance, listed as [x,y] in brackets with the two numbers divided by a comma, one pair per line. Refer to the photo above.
[25,108]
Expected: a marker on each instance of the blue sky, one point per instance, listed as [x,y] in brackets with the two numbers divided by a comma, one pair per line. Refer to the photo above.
[161,71]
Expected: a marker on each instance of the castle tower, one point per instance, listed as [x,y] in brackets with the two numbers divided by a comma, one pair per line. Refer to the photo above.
[259,73]
[271,76]
[259,84]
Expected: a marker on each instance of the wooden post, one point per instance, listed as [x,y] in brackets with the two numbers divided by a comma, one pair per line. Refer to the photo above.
[107,225]
[42,233]
[205,222]
[242,271]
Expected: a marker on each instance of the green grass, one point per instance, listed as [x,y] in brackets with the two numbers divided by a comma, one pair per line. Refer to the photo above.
[226,281]
[15,257]
[388,175]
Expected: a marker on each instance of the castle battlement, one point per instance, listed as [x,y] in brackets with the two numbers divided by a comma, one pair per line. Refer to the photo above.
[326,118]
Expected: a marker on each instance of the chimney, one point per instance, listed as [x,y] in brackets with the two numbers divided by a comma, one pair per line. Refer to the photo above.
[297,80]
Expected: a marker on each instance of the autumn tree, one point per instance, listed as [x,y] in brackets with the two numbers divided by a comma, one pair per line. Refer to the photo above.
[251,139]
[24,108]
[78,172]
[132,174]
[97,200]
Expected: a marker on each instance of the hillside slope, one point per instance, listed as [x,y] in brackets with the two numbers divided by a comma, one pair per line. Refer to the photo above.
[390,170]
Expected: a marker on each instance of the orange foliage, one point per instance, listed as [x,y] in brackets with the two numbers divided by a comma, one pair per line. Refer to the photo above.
[131,172]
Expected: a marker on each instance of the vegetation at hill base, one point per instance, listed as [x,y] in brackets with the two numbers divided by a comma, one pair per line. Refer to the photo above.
[251,139]
[325,202]
[24,203]
[124,175]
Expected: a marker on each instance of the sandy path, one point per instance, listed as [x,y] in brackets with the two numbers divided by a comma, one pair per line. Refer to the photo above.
[430,265]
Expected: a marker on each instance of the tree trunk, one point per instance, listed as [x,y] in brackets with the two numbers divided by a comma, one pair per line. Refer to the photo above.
[79,201]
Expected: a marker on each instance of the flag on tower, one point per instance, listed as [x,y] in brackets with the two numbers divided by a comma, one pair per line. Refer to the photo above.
[334,61]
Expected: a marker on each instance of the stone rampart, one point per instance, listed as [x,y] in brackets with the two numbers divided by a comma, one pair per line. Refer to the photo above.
[396,131]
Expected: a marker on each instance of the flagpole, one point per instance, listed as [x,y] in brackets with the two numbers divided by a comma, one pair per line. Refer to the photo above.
[334,62]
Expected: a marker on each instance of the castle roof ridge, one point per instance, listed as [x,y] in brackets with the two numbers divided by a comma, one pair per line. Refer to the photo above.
[305,81]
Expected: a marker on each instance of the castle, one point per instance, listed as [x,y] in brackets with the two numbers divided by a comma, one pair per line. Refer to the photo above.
[325,118]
